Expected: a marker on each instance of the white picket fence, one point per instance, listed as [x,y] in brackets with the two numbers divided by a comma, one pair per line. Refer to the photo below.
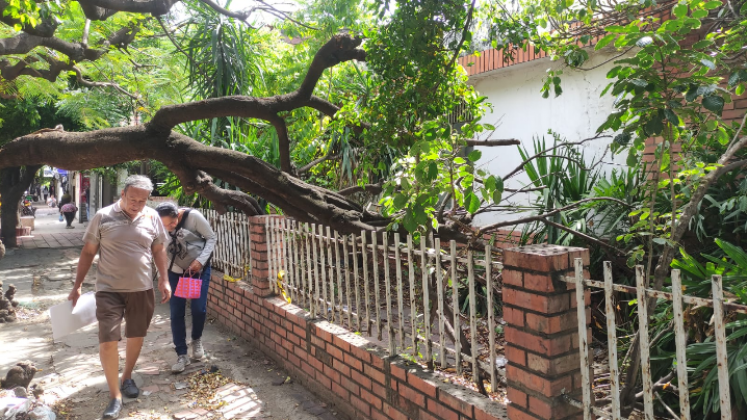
[232,254]
[349,280]
[643,294]
[339,277]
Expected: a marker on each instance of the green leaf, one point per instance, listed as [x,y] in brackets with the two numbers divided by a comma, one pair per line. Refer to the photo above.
[498,193]
[653,126]
[490,183]
[622,139]
[400,200]
[497,196]
[604,92]
[617,29]
[693,23]
[715,4]
[734,79]
[700,14]
[613,72]
[739,90]
[433,171]
[672,117]
[680,10]
[604,41]
[472,203]
[474,156]
[692,94]
[409,222]
[714,103]
[702,44]
[708,63]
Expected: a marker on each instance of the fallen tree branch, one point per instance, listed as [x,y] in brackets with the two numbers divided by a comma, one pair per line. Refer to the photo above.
[340,48]
[368,188]
[112,85]
[281,128]
[284,16]
[240,15]
[583,236]
[488,228]
[176,45]
[315,162]
[488,143]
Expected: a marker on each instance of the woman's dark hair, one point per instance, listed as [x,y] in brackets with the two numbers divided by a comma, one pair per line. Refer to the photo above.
[167,210]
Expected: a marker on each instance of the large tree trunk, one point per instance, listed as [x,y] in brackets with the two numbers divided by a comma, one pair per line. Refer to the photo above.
[13,183]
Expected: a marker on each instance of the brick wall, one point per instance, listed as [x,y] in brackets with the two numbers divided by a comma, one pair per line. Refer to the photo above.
[344,368]
[542,331]
[341,367]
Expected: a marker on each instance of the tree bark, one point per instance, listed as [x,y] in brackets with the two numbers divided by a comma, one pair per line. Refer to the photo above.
[13,182]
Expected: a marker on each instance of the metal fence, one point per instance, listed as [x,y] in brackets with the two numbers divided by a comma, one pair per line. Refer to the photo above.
[643,296]
[232,249]
[405,296]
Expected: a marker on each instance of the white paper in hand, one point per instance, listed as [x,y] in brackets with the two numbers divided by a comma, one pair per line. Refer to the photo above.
[66,319]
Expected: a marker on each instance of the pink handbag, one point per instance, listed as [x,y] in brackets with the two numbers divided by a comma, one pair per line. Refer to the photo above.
[188,288]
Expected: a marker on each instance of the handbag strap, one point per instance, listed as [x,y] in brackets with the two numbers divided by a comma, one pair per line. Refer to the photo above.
[179,226]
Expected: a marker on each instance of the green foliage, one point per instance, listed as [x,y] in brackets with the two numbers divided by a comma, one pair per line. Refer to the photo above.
[696,278]
[26,12]
[732,267]
[661,78]
[563,178]
[24,116]
[226,56]
[412,64]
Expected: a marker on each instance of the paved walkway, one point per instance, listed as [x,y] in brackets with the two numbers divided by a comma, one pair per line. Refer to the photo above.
[49,232]
[247,385]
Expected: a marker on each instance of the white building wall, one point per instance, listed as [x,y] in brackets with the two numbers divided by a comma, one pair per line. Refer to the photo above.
[520,112]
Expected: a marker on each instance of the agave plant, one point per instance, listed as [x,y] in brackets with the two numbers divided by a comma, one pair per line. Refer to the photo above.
[564,178]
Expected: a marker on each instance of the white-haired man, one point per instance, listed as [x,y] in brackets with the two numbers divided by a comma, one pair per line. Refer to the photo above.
[127,236]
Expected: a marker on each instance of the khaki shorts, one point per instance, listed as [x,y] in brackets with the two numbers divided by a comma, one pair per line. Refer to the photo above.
[136,308]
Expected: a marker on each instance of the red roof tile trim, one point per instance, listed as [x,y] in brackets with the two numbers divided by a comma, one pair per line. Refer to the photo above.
[495,59]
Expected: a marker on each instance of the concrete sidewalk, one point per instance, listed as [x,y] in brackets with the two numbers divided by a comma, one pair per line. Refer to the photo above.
[49,232]
[248,385]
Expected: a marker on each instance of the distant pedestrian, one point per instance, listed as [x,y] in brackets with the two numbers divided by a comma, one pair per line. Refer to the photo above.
[190,249]
[88,203]
[45,193]
[68,210]
[127,236]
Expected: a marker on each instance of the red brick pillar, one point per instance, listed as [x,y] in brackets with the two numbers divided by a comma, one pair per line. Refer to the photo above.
[260,276]
[542,331]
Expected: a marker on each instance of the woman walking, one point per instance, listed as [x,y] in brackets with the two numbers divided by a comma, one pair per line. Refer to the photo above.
[190,249]
[68,209]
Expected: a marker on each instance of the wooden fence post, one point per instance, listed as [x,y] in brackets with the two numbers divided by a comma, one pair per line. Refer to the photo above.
[542,331]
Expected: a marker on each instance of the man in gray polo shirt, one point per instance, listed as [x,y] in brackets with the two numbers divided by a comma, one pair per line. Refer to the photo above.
[127,236]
